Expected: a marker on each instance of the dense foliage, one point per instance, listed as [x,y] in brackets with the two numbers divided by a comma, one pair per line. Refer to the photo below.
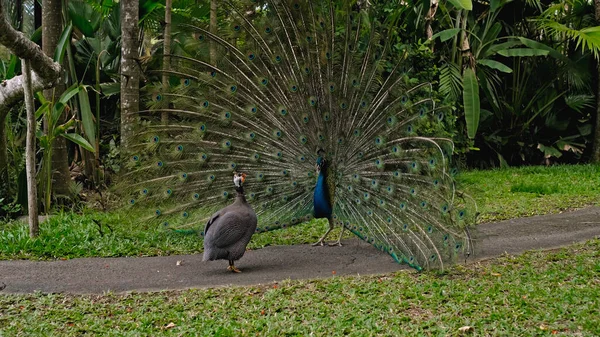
[519,77]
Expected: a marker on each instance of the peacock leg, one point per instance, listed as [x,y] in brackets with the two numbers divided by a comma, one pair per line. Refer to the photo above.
[233,268]
[321,241]
[339,241]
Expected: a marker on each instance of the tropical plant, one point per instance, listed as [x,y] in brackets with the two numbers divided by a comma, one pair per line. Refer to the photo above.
[52,111]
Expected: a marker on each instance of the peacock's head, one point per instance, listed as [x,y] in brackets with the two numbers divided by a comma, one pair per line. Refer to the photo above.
[238,179]
[321,162]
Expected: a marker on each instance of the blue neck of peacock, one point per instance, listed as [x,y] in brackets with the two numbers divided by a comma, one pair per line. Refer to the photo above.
[321,202]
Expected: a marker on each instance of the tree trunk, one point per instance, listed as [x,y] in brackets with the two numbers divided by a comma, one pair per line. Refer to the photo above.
[45,75]
[596,140]
[429,19]
[213,29]
[164,117]
[34,228]
[130,77]
[52,28]
[4,178]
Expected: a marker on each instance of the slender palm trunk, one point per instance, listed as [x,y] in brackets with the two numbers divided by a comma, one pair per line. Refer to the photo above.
[4,178]
[166,55]
[34,227]
[52,28]
[213,29]
[596,140]
[130,71]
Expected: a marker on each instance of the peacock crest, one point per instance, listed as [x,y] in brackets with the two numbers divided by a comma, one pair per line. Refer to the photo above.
[288,91]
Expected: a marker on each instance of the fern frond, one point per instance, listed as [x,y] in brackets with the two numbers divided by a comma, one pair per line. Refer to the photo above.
[450,81]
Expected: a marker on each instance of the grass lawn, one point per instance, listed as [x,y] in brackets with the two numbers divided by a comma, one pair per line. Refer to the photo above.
[536,294]
[532,190]
[500,194]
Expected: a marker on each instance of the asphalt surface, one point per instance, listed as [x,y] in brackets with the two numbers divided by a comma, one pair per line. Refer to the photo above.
[273,264]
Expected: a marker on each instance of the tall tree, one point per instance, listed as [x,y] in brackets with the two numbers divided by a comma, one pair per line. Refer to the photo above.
[596,140]
[130,76]
[14,10]
[34,227]
[52,27]
[213,30]
[45,75]
[166,54]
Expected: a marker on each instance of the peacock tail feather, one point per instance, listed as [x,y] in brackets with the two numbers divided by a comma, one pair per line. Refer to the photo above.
[291,78]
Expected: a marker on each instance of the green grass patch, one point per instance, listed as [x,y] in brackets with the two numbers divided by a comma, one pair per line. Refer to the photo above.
[67,235]
[532,190]
[536,294]
[500,194]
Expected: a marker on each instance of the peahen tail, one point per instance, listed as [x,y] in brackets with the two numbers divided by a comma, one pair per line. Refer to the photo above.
[279,85]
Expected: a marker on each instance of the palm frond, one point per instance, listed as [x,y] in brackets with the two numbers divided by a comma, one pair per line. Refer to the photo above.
[586,38]
[579,102]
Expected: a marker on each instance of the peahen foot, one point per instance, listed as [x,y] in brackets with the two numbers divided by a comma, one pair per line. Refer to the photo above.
[233,268]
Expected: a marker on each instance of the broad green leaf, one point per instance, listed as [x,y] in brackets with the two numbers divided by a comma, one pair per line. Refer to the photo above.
[40,97]
[57,111]
[447,34]
[37,35]
[462,4]
[495,65]
[549,151]
[10,73]
[497,4]
[77,139]
[63,44]
[63,100]
[538,45]
[84,17]
[111,88]
[493,32]
[501,46]
[69,93]
[585,130]
[523,52]
[471,101]
[41,110]
[87,118]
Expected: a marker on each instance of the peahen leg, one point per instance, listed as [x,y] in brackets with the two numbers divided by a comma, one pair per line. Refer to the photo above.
[233,268]
[321,241]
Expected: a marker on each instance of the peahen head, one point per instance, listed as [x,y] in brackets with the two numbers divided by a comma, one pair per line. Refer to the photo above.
[238,180]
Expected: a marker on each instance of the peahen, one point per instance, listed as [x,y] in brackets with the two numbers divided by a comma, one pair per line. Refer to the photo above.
[315,101]
[229,230]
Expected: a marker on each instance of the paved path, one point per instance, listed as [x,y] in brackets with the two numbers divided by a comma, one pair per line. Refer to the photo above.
[97,275]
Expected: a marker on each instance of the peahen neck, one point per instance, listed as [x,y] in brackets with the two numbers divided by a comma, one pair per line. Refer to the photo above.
[240,197]
[321,202]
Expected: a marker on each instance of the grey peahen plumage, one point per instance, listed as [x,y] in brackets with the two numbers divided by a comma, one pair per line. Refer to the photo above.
[229,230]
[296,84]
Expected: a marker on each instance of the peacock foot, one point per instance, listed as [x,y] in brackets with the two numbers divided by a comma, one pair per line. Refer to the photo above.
[319,243]
[337,243]
[234,269]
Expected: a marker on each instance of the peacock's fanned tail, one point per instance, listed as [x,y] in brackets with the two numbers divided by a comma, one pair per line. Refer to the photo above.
[277,82]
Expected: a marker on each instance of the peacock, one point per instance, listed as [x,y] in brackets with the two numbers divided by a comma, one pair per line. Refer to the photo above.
[315,101]
[229,230]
